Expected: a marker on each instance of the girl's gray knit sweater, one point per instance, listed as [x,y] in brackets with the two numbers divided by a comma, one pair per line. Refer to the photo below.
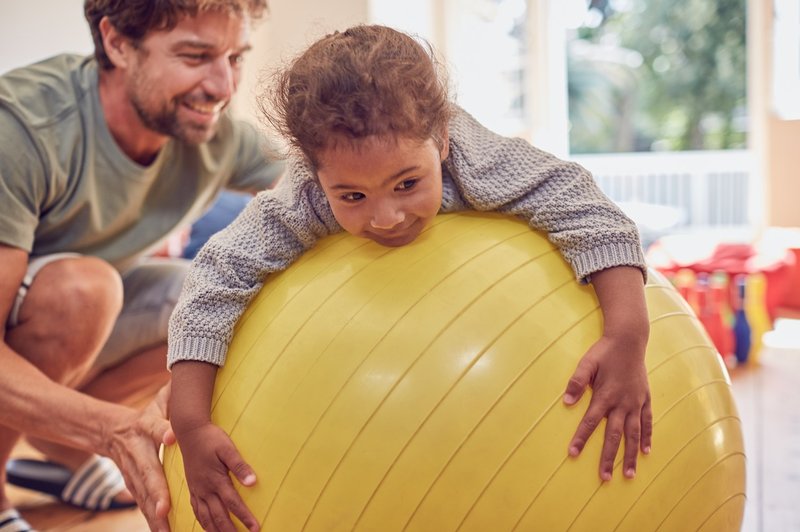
[484,172]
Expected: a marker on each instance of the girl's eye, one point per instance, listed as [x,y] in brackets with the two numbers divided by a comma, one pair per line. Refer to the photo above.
[407,184]
[353,196]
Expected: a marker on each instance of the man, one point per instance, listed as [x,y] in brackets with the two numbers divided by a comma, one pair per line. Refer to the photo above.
[101,158]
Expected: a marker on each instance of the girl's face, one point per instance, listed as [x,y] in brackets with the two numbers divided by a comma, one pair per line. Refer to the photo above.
[386,190]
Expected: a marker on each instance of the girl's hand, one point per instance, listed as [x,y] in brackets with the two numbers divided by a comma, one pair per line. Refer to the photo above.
[208,456]
[614,368]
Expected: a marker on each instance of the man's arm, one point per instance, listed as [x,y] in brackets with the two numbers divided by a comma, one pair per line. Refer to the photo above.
[258,166]
[32,403]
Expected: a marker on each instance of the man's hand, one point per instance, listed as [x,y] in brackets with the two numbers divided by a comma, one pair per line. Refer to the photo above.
[615,370]
[133,444]
[208,456]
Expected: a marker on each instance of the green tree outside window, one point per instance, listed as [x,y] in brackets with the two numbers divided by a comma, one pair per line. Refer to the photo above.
[658,75]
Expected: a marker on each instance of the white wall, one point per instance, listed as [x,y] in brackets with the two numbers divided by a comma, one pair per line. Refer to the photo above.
[288,28]
[31,30]
[416,17]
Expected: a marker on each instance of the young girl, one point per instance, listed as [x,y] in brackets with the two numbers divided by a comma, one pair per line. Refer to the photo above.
[380,151]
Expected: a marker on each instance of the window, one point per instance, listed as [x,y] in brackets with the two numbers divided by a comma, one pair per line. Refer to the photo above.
[650,95]
[657,75]
[786,59]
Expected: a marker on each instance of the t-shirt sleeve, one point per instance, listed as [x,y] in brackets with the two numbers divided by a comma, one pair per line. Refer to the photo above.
[496,173]
[257,164]
[275,228]
[22,184]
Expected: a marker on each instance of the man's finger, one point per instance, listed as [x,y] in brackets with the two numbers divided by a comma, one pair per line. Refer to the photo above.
[157,519]
[152,497]
[161,400]
[143,472]
[169,437]
[155,511]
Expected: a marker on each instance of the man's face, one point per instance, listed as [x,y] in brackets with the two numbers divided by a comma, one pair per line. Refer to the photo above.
[180,80]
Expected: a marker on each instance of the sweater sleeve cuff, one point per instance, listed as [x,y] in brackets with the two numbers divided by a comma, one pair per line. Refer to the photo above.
[197,349]
[608,256]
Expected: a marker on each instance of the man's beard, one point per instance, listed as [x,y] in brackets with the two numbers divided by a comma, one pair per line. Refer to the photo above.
[165,121]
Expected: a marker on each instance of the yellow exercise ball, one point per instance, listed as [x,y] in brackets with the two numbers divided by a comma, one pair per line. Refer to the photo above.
[420,388]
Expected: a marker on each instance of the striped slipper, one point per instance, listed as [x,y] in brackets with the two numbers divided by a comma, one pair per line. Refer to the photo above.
[11,521]
[92,487]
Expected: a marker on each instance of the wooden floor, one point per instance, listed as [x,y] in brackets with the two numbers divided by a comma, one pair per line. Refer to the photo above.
[768,397]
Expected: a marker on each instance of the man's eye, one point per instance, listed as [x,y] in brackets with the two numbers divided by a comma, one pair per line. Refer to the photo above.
[195,57]
[237,59]
[407,184]
[353,196]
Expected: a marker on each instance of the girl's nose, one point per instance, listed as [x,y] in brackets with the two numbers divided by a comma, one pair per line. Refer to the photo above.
[386,216]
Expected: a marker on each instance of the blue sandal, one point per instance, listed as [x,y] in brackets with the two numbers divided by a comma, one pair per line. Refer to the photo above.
[92,487]
[11,521]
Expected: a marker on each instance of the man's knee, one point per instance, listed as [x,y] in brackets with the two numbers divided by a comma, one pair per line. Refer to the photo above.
[75,289]
[67,314]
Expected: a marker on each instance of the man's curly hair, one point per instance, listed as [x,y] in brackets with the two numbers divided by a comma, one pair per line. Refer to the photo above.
[135,18]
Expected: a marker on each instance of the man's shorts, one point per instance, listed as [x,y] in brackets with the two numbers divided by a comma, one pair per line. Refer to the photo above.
[151,290]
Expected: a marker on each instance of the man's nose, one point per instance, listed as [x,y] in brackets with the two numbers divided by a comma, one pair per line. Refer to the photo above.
[221,80]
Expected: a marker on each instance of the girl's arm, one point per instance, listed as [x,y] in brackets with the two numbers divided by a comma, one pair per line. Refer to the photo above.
[208,452]
[275,228]
[614,368]
[488,172]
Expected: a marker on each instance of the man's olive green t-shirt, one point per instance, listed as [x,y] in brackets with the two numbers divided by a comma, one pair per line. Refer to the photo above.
[66,186]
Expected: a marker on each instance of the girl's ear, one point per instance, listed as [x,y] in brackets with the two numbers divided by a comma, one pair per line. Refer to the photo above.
[444,146]
[442,139]
[114,43]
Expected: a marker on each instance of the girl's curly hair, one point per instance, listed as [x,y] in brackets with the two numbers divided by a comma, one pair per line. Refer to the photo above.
[367,81]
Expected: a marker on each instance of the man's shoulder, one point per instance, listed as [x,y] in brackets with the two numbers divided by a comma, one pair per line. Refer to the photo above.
[234,137]
[48,91]
[233,129]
